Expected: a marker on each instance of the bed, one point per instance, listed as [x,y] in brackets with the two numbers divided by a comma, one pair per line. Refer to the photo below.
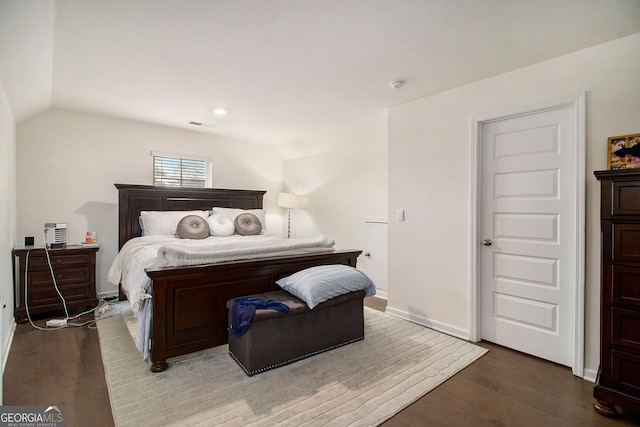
[189,303]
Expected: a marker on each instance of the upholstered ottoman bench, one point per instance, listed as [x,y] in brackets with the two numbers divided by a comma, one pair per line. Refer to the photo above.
[276,338]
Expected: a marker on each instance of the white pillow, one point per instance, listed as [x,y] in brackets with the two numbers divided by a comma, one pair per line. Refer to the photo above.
[221,225]
[165,223]
[232,213]
[318,284]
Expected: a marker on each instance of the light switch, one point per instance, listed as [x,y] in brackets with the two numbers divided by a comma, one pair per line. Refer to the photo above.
[400,214]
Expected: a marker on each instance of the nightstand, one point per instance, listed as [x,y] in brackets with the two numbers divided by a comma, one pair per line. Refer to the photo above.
[74,269]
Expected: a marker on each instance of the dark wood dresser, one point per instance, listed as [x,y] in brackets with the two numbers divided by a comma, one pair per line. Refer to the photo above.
[618,381]
[74,268]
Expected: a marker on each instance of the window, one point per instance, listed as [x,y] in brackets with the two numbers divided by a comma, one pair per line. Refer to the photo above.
[179,171]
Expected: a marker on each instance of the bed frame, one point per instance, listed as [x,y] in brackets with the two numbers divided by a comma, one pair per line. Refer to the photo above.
[189,303]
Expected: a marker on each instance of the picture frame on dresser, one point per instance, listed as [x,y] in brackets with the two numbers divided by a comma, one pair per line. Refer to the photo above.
[616,143]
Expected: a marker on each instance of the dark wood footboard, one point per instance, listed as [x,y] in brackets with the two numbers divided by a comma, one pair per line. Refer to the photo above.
[189,303]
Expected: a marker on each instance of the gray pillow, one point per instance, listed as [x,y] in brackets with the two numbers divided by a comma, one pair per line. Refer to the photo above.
[193,227]
[247,224]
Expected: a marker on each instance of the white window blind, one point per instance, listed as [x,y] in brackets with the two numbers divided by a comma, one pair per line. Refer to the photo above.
[177,171]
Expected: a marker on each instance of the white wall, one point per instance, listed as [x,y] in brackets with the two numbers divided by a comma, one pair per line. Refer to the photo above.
[26,49]
[7,218]
[343,174]
[67,163]
[429,175]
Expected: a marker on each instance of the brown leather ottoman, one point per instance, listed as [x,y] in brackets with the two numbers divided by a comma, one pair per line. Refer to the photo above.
[275,338]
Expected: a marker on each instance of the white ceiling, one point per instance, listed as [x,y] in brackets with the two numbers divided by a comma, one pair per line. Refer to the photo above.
[282,68]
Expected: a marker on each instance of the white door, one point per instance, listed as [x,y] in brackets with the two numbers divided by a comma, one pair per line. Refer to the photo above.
[374,253]
[529,229]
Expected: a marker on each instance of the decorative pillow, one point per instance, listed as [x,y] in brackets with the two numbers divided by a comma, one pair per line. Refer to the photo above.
[248,224]
[318,284]
[221,226]
[165,222]
[193,227]
[233,213]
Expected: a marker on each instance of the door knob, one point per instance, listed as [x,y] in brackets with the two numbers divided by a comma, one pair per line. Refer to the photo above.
[487,242]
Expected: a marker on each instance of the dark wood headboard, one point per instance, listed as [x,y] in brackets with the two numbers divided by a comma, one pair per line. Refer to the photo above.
[135,198]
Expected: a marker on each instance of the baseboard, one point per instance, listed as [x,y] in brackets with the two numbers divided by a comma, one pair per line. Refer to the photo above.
[430,323]
[110,294]
[590,375]
[381,293]
[7,344]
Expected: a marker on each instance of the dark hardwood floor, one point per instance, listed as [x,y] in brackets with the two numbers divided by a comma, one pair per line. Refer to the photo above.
[503,388]
[59,367]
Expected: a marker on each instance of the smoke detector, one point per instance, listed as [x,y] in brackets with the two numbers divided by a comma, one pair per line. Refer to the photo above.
[397,84]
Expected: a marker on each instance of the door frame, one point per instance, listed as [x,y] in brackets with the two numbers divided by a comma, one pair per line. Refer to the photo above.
[378,220]
[576,102]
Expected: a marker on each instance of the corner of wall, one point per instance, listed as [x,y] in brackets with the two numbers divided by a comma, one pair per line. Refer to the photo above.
[8,221]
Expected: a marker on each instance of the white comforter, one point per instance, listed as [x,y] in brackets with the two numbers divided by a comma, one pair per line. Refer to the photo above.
[128,269]
[138,254]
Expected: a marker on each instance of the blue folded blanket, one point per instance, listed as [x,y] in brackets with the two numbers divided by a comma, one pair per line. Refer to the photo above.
[244,310]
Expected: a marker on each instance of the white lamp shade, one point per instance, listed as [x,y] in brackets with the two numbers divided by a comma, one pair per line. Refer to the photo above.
[290,201]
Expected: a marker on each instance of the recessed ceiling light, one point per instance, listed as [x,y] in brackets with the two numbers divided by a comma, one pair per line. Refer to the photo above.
[220,112]
[397,84]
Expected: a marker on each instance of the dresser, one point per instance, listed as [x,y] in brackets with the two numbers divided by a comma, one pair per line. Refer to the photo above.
[618,381]
[74,269]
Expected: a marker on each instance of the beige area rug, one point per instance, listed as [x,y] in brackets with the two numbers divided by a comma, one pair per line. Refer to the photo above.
[361,384]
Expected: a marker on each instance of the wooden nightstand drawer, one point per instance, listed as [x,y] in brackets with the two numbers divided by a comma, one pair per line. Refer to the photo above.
[49,296]
[625,329]
[625,372]
[626,242]
[63,277]
[625,198]
[40,262]
[625,285]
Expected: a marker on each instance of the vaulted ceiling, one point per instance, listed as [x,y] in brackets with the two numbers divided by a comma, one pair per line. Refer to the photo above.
[281,68]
